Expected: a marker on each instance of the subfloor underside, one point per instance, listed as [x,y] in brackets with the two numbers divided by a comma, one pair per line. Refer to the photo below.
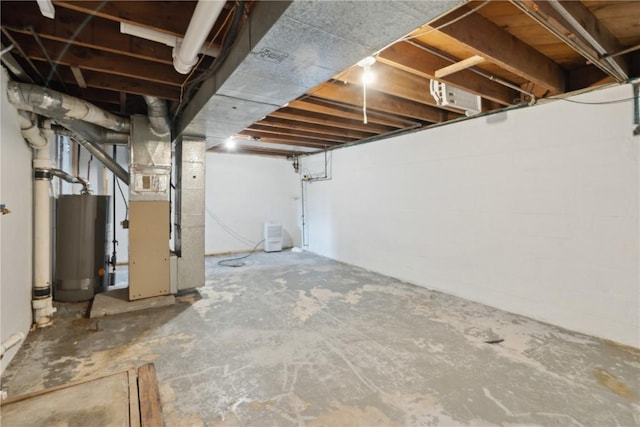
[297,339]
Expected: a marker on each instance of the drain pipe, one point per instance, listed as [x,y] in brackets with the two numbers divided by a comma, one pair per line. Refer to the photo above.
[185,54]
[158,116]
[49,103]
[42,299]
[12,341]
[39,140]
[34,136]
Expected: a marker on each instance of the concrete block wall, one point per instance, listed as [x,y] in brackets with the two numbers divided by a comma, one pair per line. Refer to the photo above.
[242,192]
[534,211]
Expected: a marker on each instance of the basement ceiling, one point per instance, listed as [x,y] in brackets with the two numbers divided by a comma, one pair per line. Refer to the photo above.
[510,53]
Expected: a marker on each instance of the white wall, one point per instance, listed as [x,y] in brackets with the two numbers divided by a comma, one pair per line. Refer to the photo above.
[533,211]
[15,228]
[242,192]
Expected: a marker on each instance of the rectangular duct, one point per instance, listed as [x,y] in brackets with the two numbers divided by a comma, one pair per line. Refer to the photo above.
[190,203]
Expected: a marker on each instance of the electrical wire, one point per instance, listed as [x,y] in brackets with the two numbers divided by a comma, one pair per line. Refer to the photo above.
[239,264]
[229,230]
[126,205]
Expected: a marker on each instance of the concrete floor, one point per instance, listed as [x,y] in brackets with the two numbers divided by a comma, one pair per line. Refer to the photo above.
[297,339]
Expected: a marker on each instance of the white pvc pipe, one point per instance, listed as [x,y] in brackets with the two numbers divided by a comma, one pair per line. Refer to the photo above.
[42,307]
[185,54]
[13,340]
[30,131]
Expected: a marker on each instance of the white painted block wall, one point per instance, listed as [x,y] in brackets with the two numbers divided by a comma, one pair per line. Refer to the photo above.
[15,228]
[533,211]
[242,192]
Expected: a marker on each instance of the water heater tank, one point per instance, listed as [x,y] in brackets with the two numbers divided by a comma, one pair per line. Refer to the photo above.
[272,237]
[82,224]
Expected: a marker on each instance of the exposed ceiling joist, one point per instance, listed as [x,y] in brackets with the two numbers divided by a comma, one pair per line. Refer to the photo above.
[100,61]
[288,140]
[310,127]
[417,60]
[304,116]
[352,95]
[502,48]
[300,134]
[97,33]
[575,25]
[344,111]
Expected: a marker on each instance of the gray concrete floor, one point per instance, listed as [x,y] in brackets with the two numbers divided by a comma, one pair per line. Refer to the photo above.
[297,339]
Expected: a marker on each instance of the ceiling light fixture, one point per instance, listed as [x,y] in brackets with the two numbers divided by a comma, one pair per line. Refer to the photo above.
[367,78]
[230,143]
[46,8]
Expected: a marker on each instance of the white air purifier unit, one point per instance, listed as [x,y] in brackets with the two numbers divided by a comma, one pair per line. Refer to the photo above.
[272,237]
[451,96]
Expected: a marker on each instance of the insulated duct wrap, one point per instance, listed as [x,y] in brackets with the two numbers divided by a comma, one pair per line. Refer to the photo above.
[57,105]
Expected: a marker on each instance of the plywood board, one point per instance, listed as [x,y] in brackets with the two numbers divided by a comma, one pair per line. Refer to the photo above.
[99,402]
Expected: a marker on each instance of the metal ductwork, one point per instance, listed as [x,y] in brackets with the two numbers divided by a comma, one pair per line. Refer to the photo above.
[95,133]
[84,135]
[105,159]
[158,116]
[287,48]
[56,105]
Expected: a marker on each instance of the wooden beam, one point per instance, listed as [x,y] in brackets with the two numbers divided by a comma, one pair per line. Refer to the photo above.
[501,48]
[159,15]
[98,33]
[281,131]
[575,25]
[310,127]
[303,116]
[260,151]
[346,111]
[416,60]
[283,139]
[77,74]
[105,62]
[459,66]
[352,95]
[400,83]
[166,16]
[116,83]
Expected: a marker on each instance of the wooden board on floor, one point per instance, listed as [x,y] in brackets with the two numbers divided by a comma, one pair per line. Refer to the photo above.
[128,398]
[150,406]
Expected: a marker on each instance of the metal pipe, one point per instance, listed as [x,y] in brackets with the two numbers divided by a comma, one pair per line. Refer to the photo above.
[158,116]
[70,179]
[50,103]
[185,54]
[95,133]
[83,138]
[13,340]
[105,159]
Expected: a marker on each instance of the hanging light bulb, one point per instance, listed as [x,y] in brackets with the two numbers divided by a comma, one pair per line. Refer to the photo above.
[367,75]
[230,144]
[367,78]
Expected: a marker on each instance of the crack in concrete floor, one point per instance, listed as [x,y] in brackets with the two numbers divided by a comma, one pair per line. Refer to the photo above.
[298,339]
